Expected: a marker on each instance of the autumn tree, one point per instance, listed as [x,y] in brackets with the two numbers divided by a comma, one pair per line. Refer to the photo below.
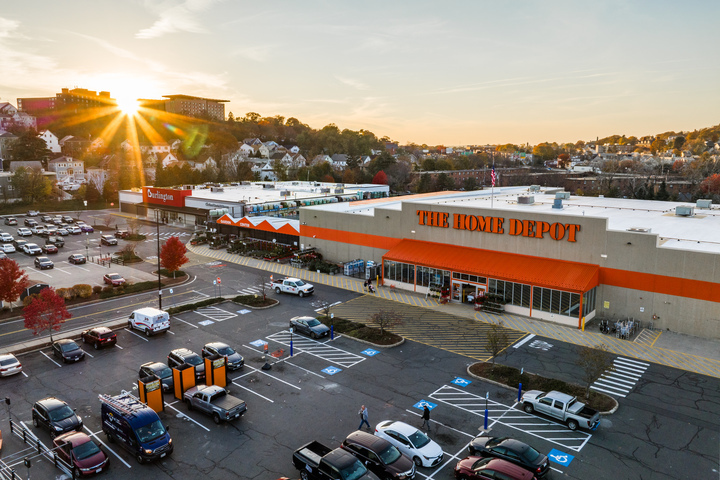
[593,362]
[13,281]
[386,319]
[380,178]
[172,255]
[46,312]
[497,340]
[711,185]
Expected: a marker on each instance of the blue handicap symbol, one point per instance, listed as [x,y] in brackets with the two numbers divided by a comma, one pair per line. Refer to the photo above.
[257,343]
[419,405]
[562,458]
[461,382]
[331,370]
[370,352]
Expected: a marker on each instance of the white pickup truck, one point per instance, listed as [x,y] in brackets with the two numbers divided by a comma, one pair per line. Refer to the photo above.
[564,407]
[294,286]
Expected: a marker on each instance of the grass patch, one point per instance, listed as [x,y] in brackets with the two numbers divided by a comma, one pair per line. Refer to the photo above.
[135,237]
[361,331]
[511,377]
[166,273]
[254,301]
[193,306]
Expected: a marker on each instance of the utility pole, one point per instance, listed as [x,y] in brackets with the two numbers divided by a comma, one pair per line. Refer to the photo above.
[157,226]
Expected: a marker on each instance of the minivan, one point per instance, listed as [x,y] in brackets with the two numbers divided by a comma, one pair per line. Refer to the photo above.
[149,320]
[135,426]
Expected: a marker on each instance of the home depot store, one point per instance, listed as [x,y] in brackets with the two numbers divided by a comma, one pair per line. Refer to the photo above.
[560,262]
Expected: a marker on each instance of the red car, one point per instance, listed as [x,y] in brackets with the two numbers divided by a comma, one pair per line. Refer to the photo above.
[78,449]
[49,248]
[99,337]
[490,469]
[113,279]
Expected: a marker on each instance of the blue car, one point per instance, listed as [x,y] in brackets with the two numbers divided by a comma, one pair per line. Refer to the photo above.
[86,228]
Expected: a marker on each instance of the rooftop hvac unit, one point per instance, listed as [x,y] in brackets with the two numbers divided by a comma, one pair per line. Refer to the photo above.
[704,203]
[284,193]
[187,187]
[246,183]
[339,191]
[267,185]
[563,195]
[684,211]
[557,203]
[217,189]
[639,229]
[324,190]
[526,200]
[534,188]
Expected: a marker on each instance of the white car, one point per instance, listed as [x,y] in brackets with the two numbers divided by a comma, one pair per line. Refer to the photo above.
[9,365]
[74,230]
[63,232]
[38,230]
[411,442]
[32,249]
[24,232]
[6,237]
[7,248]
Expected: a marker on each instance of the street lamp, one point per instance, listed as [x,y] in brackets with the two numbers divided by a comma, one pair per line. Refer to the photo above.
[157,226]
[87,244]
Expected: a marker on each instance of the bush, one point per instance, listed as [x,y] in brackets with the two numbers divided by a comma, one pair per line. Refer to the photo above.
[167,273]
[107,289]
[97,289]
[66,293]
[82,290]
[193,306]
[254,300]
[108,292]
[26,301]
[361,331]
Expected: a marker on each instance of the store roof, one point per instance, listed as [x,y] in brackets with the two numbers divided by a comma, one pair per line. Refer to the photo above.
[700,232]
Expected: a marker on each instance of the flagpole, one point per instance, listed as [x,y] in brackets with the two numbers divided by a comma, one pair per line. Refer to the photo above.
[492,179]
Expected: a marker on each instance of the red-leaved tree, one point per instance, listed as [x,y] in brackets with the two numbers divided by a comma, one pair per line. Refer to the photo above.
[13,281]
[46,312]
[172,255]
[380,178]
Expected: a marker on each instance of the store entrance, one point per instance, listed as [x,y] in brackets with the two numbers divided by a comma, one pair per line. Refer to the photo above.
[466,292]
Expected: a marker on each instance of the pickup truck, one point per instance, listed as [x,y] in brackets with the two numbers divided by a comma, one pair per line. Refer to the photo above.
[216,402]
[294,286]
[564,407]
[315,461]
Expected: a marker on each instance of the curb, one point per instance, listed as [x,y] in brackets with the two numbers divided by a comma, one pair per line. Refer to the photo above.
[277,302]
[609,412]
[374,344]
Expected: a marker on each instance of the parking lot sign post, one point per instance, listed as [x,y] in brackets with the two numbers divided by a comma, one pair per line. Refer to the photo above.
[291,342]
[520,386]
[332,325]
[487,395]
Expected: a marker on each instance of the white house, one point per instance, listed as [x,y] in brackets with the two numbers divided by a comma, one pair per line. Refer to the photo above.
[51,140]
[265,151]
[246,150]
[168,160]
[10,116]
[203,164]
[68,169]
[321,158]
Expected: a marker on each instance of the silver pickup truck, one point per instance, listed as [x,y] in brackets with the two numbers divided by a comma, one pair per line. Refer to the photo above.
[216,402]
[564,407]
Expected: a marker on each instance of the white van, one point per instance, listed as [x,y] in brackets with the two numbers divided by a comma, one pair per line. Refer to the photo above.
[149,320]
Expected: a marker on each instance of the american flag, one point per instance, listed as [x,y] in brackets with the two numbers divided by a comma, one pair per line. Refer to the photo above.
[493,177]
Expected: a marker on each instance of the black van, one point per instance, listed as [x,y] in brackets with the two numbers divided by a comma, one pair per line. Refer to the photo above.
[135,426]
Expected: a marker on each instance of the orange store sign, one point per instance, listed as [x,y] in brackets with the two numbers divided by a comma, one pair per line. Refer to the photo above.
[499,225]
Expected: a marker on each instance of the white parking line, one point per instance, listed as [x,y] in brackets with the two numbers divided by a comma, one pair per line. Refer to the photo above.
[26,375]
[245,388]
[86,353]
[118,346]
[522,342]
[39,271]
[179,320]
[301,368]
[56,363]
[185,416]
[93,434]
[139,336]
[271,376]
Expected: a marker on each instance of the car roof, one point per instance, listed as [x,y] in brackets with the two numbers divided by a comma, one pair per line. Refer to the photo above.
[75,438]
[503,466]
[216,345]
[303,317]
[400,427]
[154,365]
[51,403]
[64,341]
[183,352]
[101,329]
[367,440]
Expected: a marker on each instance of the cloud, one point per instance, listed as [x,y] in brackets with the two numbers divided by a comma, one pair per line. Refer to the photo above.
[22,68]
[177,18]
[352,82]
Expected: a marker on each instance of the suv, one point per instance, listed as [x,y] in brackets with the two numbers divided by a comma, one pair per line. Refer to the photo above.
[99,337]
[233,358]
[55,416]
[32,249]
[379,455]
[68,219]
[31,222]
[181,356]
[57,241]
[10,221]
[122,234]
[108,240]
[160,370]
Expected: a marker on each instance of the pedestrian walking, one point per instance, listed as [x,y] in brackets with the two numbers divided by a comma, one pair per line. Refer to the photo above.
[363,417]
[426,417]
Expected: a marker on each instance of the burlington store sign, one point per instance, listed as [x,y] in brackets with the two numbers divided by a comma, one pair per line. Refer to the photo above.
[498,225]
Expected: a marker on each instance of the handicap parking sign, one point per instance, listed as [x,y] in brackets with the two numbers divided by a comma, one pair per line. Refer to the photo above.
[461,382]
[419,405]
[258,343]
[560,457]
[331,370]
[370,352]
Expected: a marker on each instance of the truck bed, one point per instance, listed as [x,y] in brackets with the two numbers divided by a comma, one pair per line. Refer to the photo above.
[228,403]
[311,453]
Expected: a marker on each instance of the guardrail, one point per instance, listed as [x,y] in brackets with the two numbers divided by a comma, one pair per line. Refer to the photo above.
[29,438]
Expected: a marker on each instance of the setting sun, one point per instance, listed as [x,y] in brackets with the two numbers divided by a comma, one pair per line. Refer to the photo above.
[128,105]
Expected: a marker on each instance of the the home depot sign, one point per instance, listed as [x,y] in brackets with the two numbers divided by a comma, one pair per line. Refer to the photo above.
[488,224]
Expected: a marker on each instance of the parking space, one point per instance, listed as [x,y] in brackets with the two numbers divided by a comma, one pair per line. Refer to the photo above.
[320,349]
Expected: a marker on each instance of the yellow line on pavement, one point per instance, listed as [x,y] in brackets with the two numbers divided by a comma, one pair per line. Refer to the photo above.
[656,339]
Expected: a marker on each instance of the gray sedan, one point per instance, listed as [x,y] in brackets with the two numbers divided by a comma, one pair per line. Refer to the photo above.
[309,326]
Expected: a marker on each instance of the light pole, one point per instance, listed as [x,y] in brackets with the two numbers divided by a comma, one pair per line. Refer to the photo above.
[87,245]
[157,226]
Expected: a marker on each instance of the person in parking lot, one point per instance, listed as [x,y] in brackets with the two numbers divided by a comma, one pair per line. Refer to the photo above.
[426,417]
[363,417]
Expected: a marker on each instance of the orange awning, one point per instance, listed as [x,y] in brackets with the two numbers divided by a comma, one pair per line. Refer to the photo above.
[267,224]
[536,271]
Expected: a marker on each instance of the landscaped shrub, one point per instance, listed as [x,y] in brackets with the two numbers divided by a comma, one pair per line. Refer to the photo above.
[97,289]
[66,293]
[29,299]
[193,306]
[82,290]
[107,289]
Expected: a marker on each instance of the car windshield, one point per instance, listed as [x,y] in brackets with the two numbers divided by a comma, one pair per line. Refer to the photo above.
[354,471]
[390,454]
[193,360]
[86,450]
[164,372]
[313,323]
[299,283]
[150,431]
[531,454]
[69,347]
[226,351]
[114,277]
[418,439]
[61,413]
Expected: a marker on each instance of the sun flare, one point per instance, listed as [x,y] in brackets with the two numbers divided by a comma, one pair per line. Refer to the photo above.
[128,105]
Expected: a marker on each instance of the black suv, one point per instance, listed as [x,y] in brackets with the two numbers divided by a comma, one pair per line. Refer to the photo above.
[160,370]
[181,356]
[55,416]
[108,240]
[379,456]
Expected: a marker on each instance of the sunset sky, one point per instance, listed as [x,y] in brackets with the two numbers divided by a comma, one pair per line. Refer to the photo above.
[452,72]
